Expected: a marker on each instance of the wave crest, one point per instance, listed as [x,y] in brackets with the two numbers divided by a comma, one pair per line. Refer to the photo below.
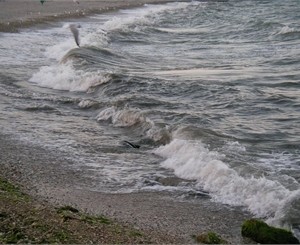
[193,161]
[65,77]
[134,118]
[122,118]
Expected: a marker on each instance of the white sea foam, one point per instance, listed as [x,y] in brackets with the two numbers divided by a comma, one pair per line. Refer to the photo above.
[279,161]
[86,103]
[184,30]
[90,35]
[192,160]
[62,42]
[96,38]
[159,134]
[286,29]
[288,212]
[235,146]
[122,118]
[140,15]
[65,77]
[133,117]
[58,51]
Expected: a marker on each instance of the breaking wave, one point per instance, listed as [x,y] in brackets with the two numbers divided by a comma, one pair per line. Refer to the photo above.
[263,197]
[65,77]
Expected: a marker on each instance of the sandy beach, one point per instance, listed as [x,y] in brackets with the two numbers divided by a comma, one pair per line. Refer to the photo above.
[39,173]
[17,14]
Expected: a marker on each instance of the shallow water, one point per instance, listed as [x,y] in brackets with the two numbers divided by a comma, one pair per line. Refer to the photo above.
[209,90]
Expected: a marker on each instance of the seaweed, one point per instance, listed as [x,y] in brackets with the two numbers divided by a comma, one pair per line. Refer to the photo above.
[210,238]
[261,232]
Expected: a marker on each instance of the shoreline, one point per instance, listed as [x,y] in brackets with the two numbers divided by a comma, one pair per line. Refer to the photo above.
[15,15]
[42,175]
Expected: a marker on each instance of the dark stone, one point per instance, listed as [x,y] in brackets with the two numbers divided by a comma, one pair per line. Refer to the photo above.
[261,232]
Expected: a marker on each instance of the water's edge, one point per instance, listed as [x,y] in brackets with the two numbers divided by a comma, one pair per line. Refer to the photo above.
[43,176]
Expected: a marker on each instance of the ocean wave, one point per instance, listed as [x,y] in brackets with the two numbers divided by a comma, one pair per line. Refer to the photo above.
[184,30]
[144,15]
[87,103]
[65,77]
[287,33]
[135,118]
[122,118]
[41,108]
[90,36]
[192,160]
[286,29]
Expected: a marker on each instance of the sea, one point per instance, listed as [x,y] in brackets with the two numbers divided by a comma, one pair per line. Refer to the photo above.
[198,99]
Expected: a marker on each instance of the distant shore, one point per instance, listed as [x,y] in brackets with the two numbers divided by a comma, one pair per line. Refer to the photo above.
[16,14]
[41,174]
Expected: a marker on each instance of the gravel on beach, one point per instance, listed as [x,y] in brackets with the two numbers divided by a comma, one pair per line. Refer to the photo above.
[42,175]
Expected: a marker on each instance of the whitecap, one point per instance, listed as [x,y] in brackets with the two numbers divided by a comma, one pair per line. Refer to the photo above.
[122,118]
[192,160]
[65,77]
[285,30]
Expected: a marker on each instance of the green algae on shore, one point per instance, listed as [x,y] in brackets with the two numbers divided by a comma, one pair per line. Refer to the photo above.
[260,232]
[25,220]
[210,238]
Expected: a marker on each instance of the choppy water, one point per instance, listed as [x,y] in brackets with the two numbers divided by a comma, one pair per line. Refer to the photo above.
[209,90]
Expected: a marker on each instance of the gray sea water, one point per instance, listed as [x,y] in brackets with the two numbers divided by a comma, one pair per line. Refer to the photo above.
[210,91]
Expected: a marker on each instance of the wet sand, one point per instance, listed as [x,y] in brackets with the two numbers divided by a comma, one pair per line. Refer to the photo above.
[52,177]
[16,14]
